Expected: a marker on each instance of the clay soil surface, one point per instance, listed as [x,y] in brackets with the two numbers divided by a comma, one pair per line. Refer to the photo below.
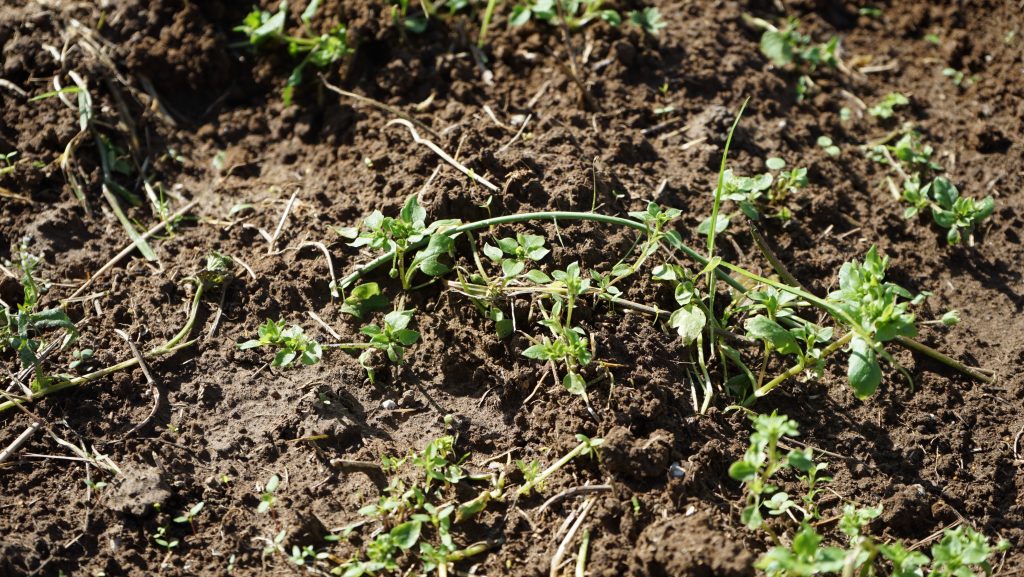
[178,91]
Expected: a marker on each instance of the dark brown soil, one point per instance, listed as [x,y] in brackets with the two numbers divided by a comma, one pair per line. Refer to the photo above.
[947,449]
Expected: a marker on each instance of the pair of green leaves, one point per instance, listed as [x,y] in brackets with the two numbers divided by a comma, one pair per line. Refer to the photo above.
[291,342]
[512,254]
[787,46]
[399,234]
[265,28]
[689,319]
[959,214]
[393,335]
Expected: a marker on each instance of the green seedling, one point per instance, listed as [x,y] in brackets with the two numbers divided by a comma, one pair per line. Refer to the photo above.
[649,20]
[885,109]
[415,23]
[416,519]
[574,13]
[269,495]
[190,515]
[535,480]
[393,334]
[755,194]
[265,29]
[513,254]
[763,461]
[164,540]
[825,143]
[787,47]
[291,344]
[958,77]
[398,235]
[21,329]
[364,299]
[912,161]
[569,346]
[7,162]
[877,313]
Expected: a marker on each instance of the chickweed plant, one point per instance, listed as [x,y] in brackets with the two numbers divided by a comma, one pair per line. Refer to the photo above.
[578,13]
[417,515]
[21,329]
[861,318]
[925,189]
[787,47]
[265,29]
[392,336]
[960,552]
[753,195]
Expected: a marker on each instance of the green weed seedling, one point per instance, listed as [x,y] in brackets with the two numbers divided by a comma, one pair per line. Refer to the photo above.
[269,495]
[649,20]
[21,329]
[925,189]
[190,515]
[753,195]
[398,235]
[265,28]
[392,336]
[535,478]
[364,299]
[576,13]
[417,517]
[885,109]
[291,344]
[787,47]
[763,460]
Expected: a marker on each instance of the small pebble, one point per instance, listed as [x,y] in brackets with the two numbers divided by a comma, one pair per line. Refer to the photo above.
[677,471]
[388,405]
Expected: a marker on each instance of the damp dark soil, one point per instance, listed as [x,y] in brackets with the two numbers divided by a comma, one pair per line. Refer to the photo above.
[181,92]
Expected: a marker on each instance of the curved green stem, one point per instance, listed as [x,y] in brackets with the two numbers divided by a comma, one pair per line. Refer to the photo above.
[173,345]
[797,368]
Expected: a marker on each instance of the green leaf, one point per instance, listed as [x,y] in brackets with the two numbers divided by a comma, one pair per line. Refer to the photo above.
[742,471]
[765,329]
[775,163]
[775,45]
[944,192]
[538,277]
[575,384]
[863,372]
[689,322]
[407,534]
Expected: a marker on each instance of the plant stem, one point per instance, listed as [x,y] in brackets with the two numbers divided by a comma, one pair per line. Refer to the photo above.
[797,368]
[488,13]
[171,346]
[539,479]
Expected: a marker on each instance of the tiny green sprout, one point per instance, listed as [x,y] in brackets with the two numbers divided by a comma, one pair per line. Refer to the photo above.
[291,342]
[787,46]
[933,39]
[870,11]
[265,28]
[164,540]
[364,299]
[825,142]
[393,335]
[958,77]
[649,20]
[190,515]
[7,161]
[573,13]
[95,485]
[512,254]
[951,318]
[82,357]
[267,497]
[885,107]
